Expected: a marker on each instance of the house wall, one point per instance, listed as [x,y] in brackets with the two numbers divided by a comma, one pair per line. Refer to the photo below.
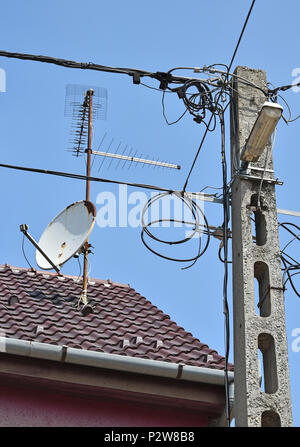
[29,407]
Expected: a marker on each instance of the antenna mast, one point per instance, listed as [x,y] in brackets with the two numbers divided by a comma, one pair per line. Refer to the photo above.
[88,102]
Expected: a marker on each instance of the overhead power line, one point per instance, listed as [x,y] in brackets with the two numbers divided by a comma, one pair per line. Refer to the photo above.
[136,73]
[84,177]
[220,93]
[241,35]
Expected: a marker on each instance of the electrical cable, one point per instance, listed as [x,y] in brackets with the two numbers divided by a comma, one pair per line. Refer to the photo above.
[289,276]
[221,92]
[138,73]
[74,64]
[203,139]
[284,225]
[23,250]
[290,257]
[292,240]
[195,210]
[193,102]
[289,120]
[80,269]
[155,88]
[164,113]
[134,72]
[241,36]
[220,255]
[294,265]
[273,94]
[197,154]
[239,77]
[225,280]
[84,177]
[283,88]
[294,119]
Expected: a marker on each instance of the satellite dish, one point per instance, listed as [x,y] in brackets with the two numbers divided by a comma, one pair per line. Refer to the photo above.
[66,234]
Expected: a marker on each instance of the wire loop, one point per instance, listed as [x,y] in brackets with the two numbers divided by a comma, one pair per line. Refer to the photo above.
[196,213]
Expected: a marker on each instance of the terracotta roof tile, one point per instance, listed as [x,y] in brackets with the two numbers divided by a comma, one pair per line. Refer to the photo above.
[43,307]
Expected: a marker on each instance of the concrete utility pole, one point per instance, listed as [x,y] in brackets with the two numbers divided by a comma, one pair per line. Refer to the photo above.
[258,326]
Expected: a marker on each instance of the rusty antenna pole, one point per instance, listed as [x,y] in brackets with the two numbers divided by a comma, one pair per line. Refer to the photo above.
[89,100]
[84,113]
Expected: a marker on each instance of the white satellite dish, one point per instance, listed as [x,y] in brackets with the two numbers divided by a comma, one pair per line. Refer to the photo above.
[66,234]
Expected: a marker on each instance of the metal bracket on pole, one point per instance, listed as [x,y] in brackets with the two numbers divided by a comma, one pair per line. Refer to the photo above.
[213,199]
[204,197]
[264,179]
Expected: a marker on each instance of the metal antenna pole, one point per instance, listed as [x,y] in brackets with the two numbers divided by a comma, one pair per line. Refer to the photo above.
[89,98]
[262,395]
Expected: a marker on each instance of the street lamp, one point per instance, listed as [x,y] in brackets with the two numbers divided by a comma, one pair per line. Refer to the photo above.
[261,132]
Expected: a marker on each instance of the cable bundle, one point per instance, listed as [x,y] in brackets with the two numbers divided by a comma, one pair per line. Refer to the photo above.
[289,263]
[198,228]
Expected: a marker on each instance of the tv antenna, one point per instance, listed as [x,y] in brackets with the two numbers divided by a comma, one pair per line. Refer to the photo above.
[67,235]
[125,154]
[79,112]
[83,113]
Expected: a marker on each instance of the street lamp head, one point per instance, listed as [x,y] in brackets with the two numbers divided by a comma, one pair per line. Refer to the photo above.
[261,132]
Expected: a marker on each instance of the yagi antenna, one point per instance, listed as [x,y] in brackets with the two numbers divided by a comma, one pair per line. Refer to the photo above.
[76,107]
[144,161]
[128,155]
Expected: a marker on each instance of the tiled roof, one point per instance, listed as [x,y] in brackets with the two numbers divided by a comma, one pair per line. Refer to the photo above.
[43,307]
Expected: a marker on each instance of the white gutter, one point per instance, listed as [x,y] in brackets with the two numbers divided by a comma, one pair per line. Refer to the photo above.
[64,354]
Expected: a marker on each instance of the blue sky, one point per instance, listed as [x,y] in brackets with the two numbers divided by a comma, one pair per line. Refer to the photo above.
[154,36]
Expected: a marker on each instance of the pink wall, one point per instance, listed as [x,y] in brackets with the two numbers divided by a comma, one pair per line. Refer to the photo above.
[35,408]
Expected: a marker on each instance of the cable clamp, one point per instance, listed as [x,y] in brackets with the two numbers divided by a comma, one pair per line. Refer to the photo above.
[164,78]
[136,77]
